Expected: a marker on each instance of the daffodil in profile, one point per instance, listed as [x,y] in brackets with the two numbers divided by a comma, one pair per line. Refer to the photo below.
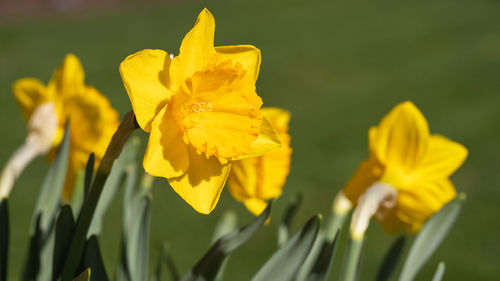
[47,109]
[406,178]
[201,110]
[255,180]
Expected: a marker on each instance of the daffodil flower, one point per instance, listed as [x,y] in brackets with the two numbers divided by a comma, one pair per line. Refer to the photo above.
[406,178]
[201,110]
[257,179]
[92,118]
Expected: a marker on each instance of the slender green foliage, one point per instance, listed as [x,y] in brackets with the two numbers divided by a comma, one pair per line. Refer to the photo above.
[429,238]
[391,259]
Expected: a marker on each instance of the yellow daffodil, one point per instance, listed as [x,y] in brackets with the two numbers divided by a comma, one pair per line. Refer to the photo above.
[257,179]
[201,111]
[92,118]
[410,166]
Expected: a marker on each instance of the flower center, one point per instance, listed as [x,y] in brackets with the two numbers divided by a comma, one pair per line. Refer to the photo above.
[218,111]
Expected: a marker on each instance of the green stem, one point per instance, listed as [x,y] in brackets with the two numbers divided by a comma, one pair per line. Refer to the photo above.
[351,262]
[73,257]
[335,222]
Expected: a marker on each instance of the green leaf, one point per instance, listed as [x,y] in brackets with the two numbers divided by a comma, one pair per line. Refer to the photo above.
[207,268]
[172,268]
[324,262]
[284,264]
[165,258]
[63,233]
[4,238]
[333,224]
[429,238]
[128,196]
[391,259]
[78,193]
[89,175]
[32,265]
[113,182]
[137,239]
[157,275]
[350,268]
[50,195]
[121,269]
[46,257]
[84,276]
[438,276]
[92,259]
[226,225]
[284,227]
[77,246]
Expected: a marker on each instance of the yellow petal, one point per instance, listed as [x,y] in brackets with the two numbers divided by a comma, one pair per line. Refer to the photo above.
[368,172]
[29,94]
[166,155]
[401,138]
[274,169]
[274,166]
[279,119]
[416,204]
[443,157]
[243,179]
[145,76]
[93,121]
[261,178]
[202,183]
[255,206]
[69,78]
[197,49]
[246,55]
[266,141]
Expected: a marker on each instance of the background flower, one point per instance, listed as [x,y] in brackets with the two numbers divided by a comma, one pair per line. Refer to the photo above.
[92,118]
[417,164]
[255,180]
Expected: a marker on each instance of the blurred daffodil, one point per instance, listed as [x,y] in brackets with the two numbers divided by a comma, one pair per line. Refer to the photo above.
[254,180]
[406,178]
[201,111]
[47,108]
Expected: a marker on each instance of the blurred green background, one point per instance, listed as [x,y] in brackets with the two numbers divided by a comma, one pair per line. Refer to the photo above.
[338,66]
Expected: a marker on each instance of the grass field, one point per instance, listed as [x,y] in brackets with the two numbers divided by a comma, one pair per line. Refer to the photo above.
[338,66]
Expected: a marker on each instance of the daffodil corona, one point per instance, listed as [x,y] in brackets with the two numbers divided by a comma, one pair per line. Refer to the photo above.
[254,180]
[92,118]
[201,110]
[406,178]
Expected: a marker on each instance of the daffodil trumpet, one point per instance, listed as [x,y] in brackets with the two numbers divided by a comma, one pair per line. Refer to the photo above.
[115,147]
[42,127]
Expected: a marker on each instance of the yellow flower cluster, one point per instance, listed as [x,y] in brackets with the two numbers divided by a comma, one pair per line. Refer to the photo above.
[207,127]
